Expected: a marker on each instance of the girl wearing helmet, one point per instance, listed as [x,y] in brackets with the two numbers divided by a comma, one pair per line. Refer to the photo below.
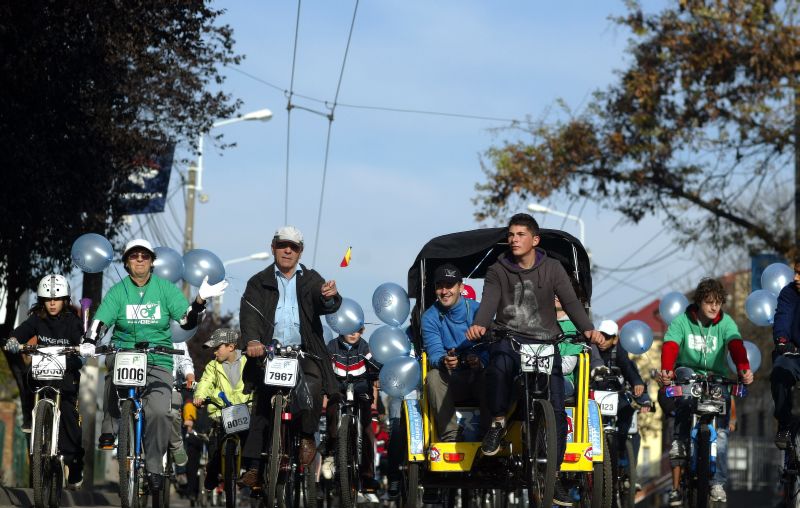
[52,321]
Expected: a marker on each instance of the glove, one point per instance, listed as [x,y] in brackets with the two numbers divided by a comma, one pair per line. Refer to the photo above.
[782,345]
[87,349]
[211,290]
[12,345]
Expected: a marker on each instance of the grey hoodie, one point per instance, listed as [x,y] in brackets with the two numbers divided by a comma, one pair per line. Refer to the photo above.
[522,301]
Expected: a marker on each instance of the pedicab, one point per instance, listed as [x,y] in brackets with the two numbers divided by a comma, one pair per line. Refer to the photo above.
[526,465]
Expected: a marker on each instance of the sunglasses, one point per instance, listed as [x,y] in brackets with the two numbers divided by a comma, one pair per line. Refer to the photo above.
[283,245]
[143,256]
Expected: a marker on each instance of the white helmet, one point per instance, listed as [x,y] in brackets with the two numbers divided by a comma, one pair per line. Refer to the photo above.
[138,243]
[53,286]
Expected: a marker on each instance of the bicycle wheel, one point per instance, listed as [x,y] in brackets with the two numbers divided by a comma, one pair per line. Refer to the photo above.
[409,475]
[130,472]
[611,456]
[272,471]
[161,500]
[628,487]
[347,463]
[541,458]
[230,455]
[702,473]
[602,481]
[309,487]
[41,463]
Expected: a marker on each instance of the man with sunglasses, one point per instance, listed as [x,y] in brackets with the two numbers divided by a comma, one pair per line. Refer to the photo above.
[284,303]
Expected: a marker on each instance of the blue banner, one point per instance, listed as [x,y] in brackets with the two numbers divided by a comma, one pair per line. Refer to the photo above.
[145,189]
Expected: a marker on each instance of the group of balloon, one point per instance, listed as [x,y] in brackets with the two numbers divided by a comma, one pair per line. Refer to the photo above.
[93,253]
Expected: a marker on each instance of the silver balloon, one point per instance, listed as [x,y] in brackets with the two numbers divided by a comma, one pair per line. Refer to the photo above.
[168,264]
[179,334]
[400,376]
[775,277]
[760,307]
[636,337]
[348,319]
[391,304]
[327,334]
[388,342]
[753,356]
[92,253]
[198,263]
[672,305]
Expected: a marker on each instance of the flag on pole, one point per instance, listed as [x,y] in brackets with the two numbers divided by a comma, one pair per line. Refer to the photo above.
[346,258]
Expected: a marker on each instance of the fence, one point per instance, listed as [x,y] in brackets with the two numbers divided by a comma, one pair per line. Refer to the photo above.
[754,463]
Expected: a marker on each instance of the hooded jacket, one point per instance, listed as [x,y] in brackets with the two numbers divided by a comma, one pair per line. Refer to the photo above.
[521,300]
[446,329]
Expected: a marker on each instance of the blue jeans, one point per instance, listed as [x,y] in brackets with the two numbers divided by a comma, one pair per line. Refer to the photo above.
[683,419]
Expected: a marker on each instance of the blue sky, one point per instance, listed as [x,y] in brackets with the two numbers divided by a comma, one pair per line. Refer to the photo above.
[396,180]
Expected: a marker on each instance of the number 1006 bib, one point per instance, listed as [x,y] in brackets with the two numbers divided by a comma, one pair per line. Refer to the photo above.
[130,369]
[281,372]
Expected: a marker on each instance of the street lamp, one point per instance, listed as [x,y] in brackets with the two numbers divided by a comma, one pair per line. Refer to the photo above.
[195,177]
[258,256]
[535,207]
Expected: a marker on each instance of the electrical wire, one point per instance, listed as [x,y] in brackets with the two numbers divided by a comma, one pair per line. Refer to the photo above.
[653,292]
[289,114]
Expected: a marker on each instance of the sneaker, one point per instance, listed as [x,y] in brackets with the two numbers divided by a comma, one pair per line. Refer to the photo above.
[718,493]
[782,437]
[75,476]
[179,456]
[250,478]
[431,496]
[394,489]
[677,450]
[308,448]
[675,498]
[493,439]
[26,422]
[106,442]
[561,496]
[328,468]
[371,498]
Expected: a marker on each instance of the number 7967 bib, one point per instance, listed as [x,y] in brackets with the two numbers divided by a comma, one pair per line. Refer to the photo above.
[281,372]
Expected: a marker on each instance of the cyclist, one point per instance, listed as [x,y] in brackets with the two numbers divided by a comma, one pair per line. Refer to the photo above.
[284,302]
[786,369]
[183,369]
[54,322]
[140,308]
[697,340]
[570,352]
[518,295]
[351,357]
[222,374]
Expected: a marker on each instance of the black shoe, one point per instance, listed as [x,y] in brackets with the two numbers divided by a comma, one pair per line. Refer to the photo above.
[394,489]
[675,498]
[561,496]
[106,441]
[431,496]
[493,439]
[156,482]
[782,437]
[369,485]
[75,476]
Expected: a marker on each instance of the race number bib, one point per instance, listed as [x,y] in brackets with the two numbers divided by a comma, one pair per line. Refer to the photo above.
[235,418]
[537,358]
[281,372]
[608,402]
[130,369]
[48,366]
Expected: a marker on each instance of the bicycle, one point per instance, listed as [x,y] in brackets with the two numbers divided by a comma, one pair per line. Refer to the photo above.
[708,399]
[349,445]
[235,418]
[48,365]
[130,378]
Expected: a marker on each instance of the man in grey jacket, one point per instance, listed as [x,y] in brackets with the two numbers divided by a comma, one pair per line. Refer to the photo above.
[518,295]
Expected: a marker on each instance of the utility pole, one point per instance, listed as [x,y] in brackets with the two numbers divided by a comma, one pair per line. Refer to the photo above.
[89,389]
[188,232]
[795,254]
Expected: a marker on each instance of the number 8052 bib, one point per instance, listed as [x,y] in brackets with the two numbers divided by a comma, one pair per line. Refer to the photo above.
[130,369]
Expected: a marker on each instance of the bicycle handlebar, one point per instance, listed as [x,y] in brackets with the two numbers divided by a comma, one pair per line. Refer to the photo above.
[35,349]
[139,347]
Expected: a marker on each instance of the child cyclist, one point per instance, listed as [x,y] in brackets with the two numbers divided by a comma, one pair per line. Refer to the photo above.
[53,322]
[222,374]
[697,340]
[352,358]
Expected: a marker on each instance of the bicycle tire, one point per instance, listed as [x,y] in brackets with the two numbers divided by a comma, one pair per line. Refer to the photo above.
[702,473]
[129,474]
[230,471]
[161,500]
[612,481]
[628,493]
[602,480]
[57,481]
[541,458]
[41,459]
[272,471]
[309,487]
[346,463]
[409,475]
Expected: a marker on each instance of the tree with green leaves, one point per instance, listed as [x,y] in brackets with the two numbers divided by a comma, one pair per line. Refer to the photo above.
[702,124]
[90,87]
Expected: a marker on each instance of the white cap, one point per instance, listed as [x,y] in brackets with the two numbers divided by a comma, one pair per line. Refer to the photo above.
[138,243]
[288,234]
[608,327]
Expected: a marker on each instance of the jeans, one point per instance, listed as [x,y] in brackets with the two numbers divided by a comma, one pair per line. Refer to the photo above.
[683,419]
[785,373]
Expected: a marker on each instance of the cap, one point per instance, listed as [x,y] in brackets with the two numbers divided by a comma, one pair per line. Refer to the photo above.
[138,243]
[447,273]
[288,234]
[222,336]
[608,327]
[468,292]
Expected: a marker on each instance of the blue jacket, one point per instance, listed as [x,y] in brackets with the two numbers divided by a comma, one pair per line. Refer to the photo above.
[787,321]
[445,329]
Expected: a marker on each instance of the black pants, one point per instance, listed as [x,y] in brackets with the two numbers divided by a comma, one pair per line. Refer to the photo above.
[785,373]
[503,368]
[194,450]
[260,418]
[368,443]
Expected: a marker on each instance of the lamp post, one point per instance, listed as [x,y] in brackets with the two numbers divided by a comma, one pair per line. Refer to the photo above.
[195,178]
[258,256]
[535,207]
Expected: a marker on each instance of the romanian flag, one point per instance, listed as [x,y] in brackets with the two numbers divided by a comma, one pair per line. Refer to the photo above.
[346,258]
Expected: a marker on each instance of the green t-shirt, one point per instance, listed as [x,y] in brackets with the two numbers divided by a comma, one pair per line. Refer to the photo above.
[702,348]
[142,314]
[568,348]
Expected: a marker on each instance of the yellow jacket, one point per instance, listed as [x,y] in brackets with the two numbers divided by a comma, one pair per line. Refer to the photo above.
[215,380]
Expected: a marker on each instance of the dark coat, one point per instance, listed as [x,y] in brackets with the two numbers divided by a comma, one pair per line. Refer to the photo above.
[257,316]
[787,321]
